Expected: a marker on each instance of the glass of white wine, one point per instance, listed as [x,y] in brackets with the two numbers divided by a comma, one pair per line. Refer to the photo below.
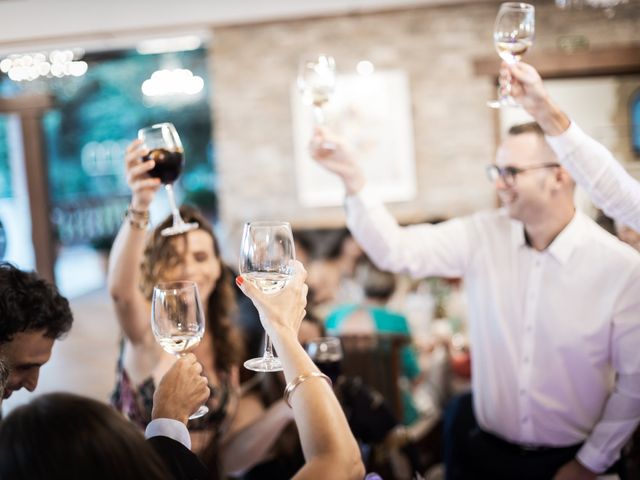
[266,255]
[316,82]
[177,320]
[512,36]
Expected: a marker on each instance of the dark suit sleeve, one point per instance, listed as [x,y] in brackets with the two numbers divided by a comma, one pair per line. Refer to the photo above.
[182,462]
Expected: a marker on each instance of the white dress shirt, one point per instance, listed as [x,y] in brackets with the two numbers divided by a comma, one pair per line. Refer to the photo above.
[168,427]
[595,169]
[550,331]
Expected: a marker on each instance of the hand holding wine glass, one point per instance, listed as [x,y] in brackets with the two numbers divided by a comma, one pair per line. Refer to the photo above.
[181,390]
[165,149]
[513,35]
[177,320]
[266,256]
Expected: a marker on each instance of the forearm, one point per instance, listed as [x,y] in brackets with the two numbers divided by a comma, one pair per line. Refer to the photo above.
[123,281]
[420,250]
[250,445]
[618,422]
[324,431]
[595,169]
[548,115]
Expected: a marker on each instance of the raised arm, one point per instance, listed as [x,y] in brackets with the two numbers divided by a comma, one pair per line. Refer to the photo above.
[420,250]
[590,163]
[329,448]
[126,254]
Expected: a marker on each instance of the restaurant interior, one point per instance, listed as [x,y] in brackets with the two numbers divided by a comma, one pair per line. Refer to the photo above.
[409,91]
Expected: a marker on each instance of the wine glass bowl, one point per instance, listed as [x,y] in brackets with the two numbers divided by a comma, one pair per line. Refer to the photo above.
[266,255]
[326,353]
[513,35]
[177,320]
[165,149]
[168,164]
[316,82]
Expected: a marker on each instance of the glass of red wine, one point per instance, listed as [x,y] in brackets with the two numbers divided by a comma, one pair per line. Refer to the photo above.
[326,353]
[165,149]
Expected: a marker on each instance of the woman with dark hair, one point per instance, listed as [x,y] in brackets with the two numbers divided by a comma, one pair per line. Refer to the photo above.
[66,436]
[138,261]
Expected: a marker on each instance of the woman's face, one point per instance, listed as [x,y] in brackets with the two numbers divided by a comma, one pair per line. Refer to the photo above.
[199,262]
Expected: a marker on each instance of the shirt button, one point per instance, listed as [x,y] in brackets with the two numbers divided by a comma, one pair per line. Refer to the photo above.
[529,328]
[525,359]
[522,392]
[525,419]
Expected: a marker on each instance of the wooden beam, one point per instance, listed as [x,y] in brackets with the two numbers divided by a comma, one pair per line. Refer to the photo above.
[26,102]
[38,186]
[30,109]
[554,64]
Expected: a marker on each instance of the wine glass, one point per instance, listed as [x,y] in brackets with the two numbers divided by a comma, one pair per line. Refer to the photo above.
[512,36]
[316,82]
[165,149]
[266,255]
[326,353]
[177,320]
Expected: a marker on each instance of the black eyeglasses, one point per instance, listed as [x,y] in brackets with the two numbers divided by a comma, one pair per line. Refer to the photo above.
[508,173]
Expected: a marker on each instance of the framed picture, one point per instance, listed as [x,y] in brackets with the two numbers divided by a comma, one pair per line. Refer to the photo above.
[373,113]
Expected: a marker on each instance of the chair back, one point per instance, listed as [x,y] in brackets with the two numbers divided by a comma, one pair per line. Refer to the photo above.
[375,358]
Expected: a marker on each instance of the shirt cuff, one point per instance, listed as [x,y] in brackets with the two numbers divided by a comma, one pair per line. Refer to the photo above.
[565,143]
[594,459]
[168,427]
[366,197]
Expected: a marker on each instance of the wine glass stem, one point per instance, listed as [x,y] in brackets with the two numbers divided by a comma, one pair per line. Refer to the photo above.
[318,115]
[268,347]
[177,219]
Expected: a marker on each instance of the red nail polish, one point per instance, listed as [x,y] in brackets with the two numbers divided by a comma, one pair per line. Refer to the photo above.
[239,280]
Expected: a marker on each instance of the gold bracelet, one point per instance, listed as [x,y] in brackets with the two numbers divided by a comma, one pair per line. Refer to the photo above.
[139,223]
[291,386]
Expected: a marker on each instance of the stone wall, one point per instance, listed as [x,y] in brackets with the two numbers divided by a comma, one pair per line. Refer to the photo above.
[454,132]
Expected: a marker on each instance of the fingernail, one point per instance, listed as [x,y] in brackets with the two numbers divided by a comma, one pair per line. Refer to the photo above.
[239,280]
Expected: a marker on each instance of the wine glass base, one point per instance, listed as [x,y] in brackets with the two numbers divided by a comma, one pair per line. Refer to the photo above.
[178,229]
[264,364]
[503,102]
[202,410]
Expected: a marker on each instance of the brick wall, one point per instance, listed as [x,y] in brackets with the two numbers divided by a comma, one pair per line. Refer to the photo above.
[454,132]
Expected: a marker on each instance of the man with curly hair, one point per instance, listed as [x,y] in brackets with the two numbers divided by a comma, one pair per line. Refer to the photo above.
[33,315]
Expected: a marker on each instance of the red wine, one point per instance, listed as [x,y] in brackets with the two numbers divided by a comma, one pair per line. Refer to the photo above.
[168,164]
[331,368]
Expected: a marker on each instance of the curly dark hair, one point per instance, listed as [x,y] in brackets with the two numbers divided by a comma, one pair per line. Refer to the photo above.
[160,253]
[29,303]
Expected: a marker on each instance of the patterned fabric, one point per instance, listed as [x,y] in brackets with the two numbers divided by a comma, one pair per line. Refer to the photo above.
[136,402]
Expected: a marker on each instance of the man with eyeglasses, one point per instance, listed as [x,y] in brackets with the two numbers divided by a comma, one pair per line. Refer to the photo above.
[554,314]
[591,165]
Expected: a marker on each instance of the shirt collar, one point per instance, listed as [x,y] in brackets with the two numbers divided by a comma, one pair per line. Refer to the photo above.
[564,243]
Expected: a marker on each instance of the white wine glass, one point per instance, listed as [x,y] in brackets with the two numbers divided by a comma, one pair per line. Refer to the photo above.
[165,148]
[266,255]
[513,35]
[316,82]
[326,353]
[177,320]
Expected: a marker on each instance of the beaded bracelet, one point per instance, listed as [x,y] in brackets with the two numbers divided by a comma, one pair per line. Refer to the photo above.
[139,223]
[291,386]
